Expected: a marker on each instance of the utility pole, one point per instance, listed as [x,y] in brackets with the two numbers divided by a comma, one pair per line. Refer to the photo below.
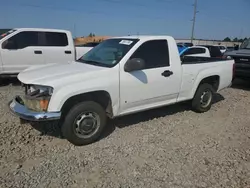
[194,19]
[74,32]
[241,31]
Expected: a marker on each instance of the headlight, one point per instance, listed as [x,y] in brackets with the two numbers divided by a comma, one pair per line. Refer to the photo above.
[41,90]
[37,97]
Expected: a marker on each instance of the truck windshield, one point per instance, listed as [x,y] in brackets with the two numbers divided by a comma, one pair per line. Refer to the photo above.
[5,32]
[245,44]
[109,52]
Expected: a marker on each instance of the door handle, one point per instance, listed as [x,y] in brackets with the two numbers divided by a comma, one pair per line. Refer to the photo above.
[67,52]
[167,73]
[38,52]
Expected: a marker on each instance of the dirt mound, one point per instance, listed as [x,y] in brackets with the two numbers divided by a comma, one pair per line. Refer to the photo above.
[83,40]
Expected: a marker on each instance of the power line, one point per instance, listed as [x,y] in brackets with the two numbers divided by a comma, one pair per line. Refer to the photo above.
[82,11]
[148,5]
[194,19]
[119,2]
[136,4]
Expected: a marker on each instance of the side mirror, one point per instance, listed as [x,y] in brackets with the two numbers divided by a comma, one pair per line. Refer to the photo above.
[134,64]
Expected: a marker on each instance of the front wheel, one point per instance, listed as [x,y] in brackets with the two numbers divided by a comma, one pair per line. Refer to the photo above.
[203,98]
[84,123]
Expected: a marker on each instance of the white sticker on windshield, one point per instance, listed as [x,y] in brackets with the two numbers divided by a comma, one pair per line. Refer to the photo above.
[126,42]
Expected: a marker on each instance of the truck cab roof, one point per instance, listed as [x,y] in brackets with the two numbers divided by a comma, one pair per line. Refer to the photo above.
[40,29]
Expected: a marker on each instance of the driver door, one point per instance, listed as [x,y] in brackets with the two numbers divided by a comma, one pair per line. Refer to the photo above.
[21,51]
[150,87]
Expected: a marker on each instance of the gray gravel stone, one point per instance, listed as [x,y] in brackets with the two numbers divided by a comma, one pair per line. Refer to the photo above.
[167,147]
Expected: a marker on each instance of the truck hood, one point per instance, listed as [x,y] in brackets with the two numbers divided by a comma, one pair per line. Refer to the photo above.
[240,52]
[57,74]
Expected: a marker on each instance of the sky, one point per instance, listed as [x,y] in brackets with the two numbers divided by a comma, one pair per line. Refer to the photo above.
[216,19]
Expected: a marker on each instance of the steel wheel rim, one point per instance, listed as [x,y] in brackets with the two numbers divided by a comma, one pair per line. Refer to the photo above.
[206,98]
[87,124]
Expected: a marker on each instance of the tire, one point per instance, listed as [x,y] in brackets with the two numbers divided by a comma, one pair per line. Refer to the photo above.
[79,114]
[197,104]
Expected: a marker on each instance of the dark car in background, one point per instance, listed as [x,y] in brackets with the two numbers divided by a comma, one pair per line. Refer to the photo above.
[241,57]
[214,50]
[230,48]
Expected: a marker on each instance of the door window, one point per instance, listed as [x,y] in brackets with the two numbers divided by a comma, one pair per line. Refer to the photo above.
[56,39]
[21,40]
[155,54]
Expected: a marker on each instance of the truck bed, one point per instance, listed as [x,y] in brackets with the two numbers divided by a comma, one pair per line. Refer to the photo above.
[194,69]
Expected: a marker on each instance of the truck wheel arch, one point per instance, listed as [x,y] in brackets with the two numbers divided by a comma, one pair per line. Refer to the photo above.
[102,97]
[213,80]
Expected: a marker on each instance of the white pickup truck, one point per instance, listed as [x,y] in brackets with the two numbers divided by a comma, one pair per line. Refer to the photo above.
[25,47]
[120,76]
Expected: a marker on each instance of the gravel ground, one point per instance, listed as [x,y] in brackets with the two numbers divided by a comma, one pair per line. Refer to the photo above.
[167,147]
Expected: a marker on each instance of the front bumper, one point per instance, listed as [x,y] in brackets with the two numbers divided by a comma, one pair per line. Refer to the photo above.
[26,114]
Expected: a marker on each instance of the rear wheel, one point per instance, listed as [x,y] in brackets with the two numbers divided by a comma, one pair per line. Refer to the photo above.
[203,98]
[84,123]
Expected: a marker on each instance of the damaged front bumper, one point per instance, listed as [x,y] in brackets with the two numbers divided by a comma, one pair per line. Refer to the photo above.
[18,108]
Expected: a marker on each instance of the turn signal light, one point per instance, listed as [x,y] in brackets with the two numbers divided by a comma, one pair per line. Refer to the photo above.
[44,103]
